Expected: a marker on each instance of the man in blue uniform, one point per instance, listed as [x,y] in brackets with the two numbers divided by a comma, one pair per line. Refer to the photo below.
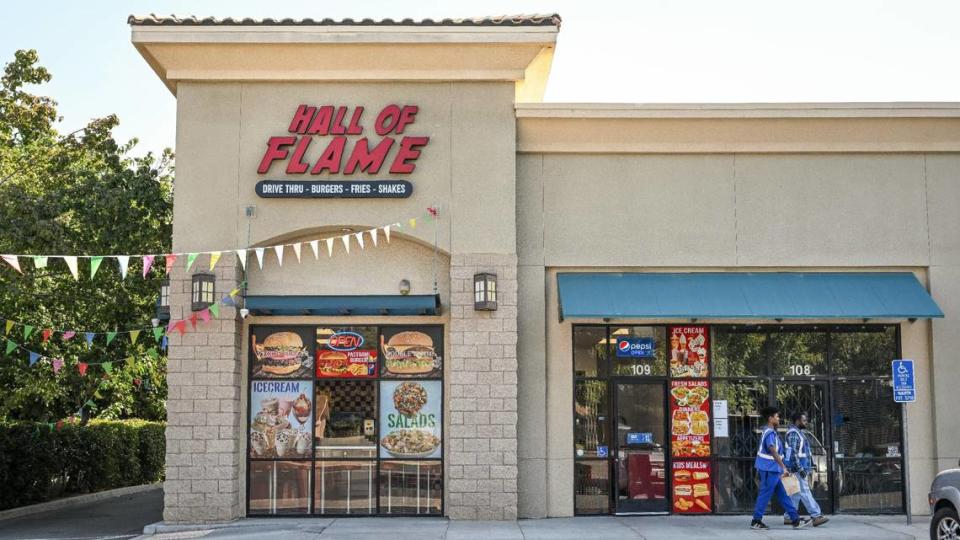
[797,457]
[771,468]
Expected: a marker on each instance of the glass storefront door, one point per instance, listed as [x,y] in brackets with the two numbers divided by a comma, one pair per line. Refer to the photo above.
[811,399]
[640,448]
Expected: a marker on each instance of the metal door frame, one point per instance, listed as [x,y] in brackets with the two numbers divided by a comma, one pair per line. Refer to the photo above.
[615,383]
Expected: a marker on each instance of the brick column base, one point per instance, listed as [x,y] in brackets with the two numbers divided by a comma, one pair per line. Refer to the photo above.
[204,434]
[482,374]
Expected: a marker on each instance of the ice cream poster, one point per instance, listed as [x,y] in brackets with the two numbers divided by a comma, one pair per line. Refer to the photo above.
[281,419]
[411,419]
[689,351]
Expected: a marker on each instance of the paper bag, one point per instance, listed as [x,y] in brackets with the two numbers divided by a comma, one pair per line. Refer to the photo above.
[791,484]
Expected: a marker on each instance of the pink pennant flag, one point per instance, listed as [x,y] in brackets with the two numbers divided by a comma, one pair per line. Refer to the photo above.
[68,334]
[147,263]
[57,365]
[13,261]
[205,314]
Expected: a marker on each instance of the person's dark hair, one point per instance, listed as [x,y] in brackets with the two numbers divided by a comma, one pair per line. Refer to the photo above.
[767,412]
[795,417]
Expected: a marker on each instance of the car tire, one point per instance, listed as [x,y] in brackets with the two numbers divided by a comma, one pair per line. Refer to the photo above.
[945,522]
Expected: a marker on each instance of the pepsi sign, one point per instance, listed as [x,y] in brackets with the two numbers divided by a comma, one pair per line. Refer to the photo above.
[345,341]
[635,347]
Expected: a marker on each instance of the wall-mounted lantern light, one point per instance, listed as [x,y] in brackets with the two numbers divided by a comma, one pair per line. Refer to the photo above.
[202,291]
[485,292]
[163,304]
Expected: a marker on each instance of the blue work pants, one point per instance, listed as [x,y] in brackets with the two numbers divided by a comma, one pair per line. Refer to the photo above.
[770,484]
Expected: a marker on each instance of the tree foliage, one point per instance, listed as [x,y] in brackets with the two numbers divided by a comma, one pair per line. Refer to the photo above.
[79,193]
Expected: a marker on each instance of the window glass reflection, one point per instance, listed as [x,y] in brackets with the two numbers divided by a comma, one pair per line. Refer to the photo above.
[798,354]
[590,351]
[864,352]
[590,417]
[738,353]
[592,487]
[639,351]
[411,487]
[279,487]
[346,487]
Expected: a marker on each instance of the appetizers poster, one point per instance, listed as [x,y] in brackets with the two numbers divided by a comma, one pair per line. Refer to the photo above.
[411,417]
[690,418]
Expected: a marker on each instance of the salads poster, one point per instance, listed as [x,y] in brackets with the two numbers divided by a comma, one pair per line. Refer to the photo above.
[281,352]
[689,356]
[411,419]
[690,418]
[281,419]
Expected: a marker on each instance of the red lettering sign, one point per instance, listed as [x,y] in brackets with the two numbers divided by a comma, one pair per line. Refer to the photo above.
[323,139]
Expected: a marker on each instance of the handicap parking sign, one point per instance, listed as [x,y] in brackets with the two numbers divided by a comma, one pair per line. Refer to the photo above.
[904,387]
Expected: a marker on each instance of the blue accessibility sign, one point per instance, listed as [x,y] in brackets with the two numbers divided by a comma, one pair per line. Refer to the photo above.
[904,387]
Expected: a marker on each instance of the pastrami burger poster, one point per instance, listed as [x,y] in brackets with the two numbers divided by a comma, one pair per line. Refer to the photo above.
[281,352]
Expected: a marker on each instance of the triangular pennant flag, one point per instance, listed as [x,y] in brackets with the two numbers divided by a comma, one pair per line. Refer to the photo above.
[242,255]
[111,336]
[193,319]
[72,265]
[47,332]
[205,315]
[39,262]
[215,310]
[57,365]
[10,346]
[315,246]
[27,330]
[157,332]
[329,247]
[259,252]
[181,327]
[234,292]
[279,251]
[8,327]
[107,366]
[124,262]
[152,353]
[229,301]
[171,325]
[147,264]
[34,357]
[163,343]
[413,222]
[89,337]
[13,261]
[386,232]
[214,257]
[95,265]
[373,236]
[359,236]
[191,257]
[134,334]
[170,259]
[346,242]
[68,335]
[129,362]
[296,250]
[82,368]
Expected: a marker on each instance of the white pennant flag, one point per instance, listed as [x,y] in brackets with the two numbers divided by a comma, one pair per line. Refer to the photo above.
[242,255]
[296,249]
[123,261]
[359,236]
[346,242]
[13,261]
[386,232]
[279,250]
[314,244]
[259,252]
[72,265]
[373,236]
[330,247]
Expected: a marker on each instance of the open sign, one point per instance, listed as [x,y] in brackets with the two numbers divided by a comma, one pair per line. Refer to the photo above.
[635,347]
[345,341]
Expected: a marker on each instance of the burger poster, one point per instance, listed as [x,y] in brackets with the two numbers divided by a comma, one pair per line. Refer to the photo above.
[281,419]
[689,356]
[690,418]
[691,487]
[281,352]
[412,351]
[411,417]
[347,352]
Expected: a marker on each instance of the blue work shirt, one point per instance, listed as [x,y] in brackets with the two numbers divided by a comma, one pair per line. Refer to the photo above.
[764,460]
[797,454]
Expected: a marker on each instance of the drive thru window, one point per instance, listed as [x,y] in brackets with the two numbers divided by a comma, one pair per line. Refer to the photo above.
[636,451]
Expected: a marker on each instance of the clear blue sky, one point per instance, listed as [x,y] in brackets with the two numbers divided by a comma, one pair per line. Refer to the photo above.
[629,51]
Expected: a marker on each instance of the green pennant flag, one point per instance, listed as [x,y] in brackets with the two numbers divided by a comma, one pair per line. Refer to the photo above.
[190,258]
[134,334]
[129,361]
[111,336]
[152,353]
[27,330]
[157,333]
[9,326]
[215,310]
[95,265]
[10,346]
[108,367]
[97,395]
[52,425]
[39,262]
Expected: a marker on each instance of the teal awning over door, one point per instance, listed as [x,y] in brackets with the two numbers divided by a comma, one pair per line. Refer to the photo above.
[745,295]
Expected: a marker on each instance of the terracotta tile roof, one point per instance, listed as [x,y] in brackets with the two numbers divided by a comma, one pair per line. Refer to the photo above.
[501,20]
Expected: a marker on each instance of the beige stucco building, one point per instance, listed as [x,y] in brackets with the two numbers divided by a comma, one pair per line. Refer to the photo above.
[768,253]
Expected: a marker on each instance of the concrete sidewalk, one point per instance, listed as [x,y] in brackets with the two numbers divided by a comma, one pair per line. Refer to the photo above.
[580,528]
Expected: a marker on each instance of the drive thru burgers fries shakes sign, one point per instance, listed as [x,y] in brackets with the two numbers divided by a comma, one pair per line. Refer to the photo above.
[340,140]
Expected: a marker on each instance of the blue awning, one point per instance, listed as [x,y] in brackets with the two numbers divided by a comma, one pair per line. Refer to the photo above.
[424,304]
[775,295]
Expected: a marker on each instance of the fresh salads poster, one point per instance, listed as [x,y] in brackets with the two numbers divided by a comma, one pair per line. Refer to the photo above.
[689,351]
[411,419]
[690,418]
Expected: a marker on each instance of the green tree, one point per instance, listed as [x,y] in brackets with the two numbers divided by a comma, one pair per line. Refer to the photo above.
[77,194]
